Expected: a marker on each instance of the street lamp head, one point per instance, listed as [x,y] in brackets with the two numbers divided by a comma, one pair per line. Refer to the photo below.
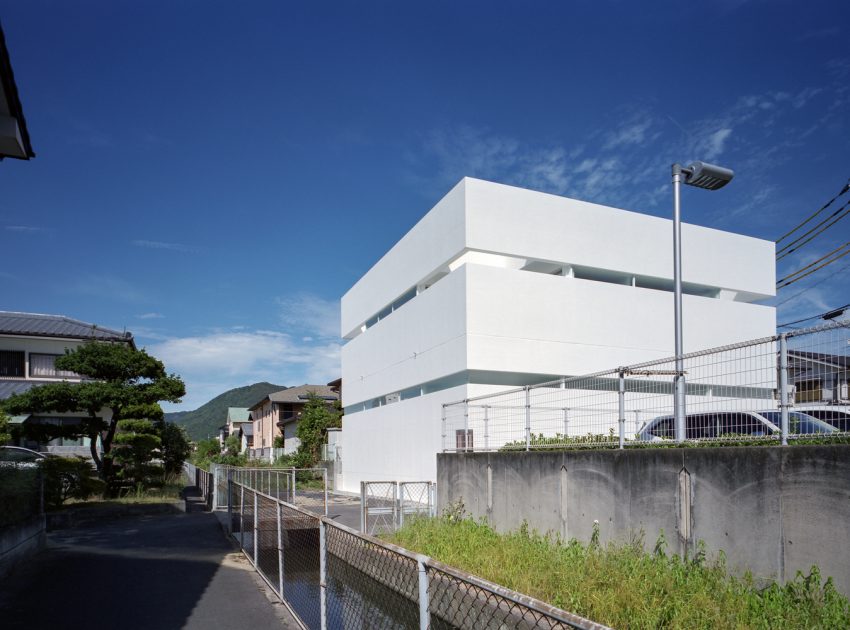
[707,176]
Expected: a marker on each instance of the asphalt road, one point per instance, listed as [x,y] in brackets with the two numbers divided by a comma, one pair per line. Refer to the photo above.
[150,572]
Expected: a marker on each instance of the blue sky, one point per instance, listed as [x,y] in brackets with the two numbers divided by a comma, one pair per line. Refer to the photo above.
[213,176]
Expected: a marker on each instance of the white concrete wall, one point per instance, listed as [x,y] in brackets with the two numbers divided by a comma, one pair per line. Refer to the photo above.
[519,321]
[527,223]
[422,341]
[431,243]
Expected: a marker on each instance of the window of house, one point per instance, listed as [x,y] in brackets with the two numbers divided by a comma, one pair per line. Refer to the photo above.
[463,439]
[287,411]
[43,365]
[12,363]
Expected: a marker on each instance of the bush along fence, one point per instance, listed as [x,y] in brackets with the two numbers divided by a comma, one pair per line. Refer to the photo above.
[787,388]
[331,576]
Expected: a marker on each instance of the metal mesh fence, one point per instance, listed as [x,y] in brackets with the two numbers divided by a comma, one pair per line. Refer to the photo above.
[791,386]
[379,507]
[303,487]
[201,479]
[331,576]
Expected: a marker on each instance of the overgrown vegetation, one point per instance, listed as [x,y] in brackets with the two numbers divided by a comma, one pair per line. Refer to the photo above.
[209,451]
[621,585]
[611,440]
[67,478]
[316,418]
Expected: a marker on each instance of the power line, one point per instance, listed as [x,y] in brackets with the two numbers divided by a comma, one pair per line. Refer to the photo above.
[816,213]
[812,264]
[831,219]
[805,319]
[816,284]
[808,273]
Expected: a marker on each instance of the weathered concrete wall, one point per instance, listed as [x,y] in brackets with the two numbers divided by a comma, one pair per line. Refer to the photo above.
[772,510]
[21,541]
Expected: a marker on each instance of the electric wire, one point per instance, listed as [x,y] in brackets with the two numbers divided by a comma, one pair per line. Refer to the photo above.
[813,286]
[830,221]
[813,263]
[805,319]
[808,273]
[816,213]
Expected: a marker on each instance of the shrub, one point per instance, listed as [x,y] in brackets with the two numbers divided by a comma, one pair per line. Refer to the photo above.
[68,478]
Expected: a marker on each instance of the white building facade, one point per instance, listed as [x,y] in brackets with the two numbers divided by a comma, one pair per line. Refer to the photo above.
[500,286]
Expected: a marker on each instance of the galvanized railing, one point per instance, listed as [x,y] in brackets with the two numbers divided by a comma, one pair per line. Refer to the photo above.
[201,479]
[332,576]
[783,388]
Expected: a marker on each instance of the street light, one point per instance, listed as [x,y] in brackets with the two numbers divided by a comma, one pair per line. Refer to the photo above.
[708,177]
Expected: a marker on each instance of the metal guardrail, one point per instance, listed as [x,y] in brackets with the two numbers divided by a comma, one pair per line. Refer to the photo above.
[332,576]
[786,387]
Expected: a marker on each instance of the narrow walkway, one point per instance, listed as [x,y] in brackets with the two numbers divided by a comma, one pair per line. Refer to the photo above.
[150,572]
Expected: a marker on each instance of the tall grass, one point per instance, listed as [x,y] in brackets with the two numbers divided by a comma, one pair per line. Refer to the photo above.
[623,586]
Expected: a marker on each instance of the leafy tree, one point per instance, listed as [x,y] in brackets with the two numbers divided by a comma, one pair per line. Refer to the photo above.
[175,447]
[136,444]
[68,478]
[232,446]
[127,381]
[313,426]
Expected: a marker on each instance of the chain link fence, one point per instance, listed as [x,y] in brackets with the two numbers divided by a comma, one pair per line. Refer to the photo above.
[201,479]
[787,387]
[332,576]
[304,487]
[384,505]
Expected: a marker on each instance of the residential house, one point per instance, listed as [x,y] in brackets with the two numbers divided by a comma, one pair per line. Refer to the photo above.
[238,418]
[14,137]
[29,345]
[499,286]
[819,377]
[277,415]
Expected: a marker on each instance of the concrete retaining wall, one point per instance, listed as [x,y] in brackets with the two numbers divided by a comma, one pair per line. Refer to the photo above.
[772,510]
[21,541]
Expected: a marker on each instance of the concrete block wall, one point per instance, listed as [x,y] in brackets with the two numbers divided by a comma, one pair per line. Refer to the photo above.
[772,510]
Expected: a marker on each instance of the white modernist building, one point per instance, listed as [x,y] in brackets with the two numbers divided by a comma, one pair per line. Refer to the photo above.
[500,286]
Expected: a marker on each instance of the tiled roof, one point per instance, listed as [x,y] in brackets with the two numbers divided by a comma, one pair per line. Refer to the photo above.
[7,388]
[237,414]
[36,325]
[298,394]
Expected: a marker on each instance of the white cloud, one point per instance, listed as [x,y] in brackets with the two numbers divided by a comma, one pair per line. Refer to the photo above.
[713,145]
[310,315]
[213,363]
[105,286]
[150,316]
[23,228]
[175,247]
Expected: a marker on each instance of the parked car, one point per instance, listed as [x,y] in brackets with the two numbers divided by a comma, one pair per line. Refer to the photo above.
[836,415]
[18,456]
[715,424]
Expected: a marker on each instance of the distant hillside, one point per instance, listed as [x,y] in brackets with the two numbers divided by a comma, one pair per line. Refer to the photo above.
[204,421]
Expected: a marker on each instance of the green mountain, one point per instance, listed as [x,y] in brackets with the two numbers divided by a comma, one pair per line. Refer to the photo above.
[204,421]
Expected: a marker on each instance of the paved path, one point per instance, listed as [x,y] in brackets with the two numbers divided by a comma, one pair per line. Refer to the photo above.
[151,572]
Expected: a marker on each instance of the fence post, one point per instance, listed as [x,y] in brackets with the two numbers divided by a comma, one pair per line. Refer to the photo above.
[325,483]
[215,485]
[277,483]
[229,503]
[466,445]
[242,517]
[486,428]
[527,418]
[443,419]
[424,604]
[323,574]
[293,486]
[363,507]
[395,503]
[256,533]
[621,403]
[280,548]
[783,386]
[566,422]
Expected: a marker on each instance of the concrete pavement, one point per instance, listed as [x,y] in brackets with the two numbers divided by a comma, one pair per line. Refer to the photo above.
[152,572]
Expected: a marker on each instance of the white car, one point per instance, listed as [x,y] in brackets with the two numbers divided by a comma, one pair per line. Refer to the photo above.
[718,424]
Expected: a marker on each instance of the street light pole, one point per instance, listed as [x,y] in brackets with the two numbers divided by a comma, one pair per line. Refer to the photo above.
[709,177]
[679,379]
